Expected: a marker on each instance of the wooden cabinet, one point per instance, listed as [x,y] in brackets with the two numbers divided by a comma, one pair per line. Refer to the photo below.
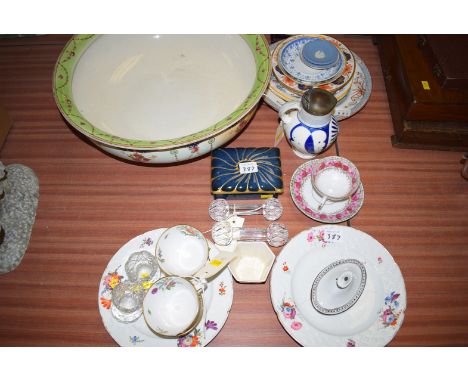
[424,114]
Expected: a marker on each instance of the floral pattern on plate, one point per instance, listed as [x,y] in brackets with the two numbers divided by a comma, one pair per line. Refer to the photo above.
[109,282]
[288,310]
[138,333]
[302,195]
[390,312]
[194,339]
[222,288]
[380,331]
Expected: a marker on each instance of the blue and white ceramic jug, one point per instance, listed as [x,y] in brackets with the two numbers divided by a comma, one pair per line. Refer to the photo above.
[309,125]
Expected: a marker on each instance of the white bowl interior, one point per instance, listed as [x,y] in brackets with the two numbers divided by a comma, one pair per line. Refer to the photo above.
[253,262]
[170,311]
[156,87]
[184,250]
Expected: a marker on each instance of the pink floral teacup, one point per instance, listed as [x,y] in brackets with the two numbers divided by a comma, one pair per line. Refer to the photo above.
[334,179]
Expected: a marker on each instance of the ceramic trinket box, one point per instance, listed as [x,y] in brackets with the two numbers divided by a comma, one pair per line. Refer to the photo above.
[246,173]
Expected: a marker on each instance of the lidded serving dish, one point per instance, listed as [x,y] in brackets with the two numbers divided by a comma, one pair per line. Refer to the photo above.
[161,98]
[337,286]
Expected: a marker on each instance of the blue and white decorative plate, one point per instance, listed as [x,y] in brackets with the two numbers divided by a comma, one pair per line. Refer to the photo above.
[292,63]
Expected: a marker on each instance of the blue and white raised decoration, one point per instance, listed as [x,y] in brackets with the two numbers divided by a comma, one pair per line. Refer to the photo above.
[307,133]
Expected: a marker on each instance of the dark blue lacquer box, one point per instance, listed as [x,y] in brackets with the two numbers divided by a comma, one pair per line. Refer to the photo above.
[246,173]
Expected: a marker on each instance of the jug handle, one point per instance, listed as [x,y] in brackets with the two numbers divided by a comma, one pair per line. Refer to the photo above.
[286,108]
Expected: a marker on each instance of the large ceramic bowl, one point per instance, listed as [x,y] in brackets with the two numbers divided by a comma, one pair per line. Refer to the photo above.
[161,98]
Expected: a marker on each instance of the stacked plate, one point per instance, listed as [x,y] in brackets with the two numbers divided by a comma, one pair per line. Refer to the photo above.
[305,61]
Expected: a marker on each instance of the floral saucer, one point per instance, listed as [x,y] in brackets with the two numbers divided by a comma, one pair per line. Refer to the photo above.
[307,201]
[340,80]
[353,101]
[218,299]
[375,318]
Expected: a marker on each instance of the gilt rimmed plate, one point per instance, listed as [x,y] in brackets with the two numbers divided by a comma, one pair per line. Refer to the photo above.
[278,88]
[307,201]
[341,79]
[355,98]
[218,299]
[361,325]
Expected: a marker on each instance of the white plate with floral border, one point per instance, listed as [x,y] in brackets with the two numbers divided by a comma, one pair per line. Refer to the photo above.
[390,297]
[307,201]
[356,98]
[218,299]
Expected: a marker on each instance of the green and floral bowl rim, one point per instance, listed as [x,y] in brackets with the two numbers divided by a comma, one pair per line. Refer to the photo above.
[62,88]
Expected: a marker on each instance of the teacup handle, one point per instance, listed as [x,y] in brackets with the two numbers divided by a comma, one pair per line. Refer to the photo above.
[199,283]
[286,108]
[322,202]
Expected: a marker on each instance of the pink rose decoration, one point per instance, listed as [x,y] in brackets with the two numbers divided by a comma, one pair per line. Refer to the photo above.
[296,325]
[310,237]
[288,311]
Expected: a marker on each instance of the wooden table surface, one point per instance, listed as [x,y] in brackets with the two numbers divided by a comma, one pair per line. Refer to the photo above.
[91,204]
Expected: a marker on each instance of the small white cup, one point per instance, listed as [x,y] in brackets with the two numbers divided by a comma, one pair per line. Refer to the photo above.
[182,250]
[173,306]
[334,179]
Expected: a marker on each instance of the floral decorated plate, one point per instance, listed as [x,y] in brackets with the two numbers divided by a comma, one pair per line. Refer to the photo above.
[375,318]
[332,85]
[283,92]
[307,201]
[353,101]
[218,300]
